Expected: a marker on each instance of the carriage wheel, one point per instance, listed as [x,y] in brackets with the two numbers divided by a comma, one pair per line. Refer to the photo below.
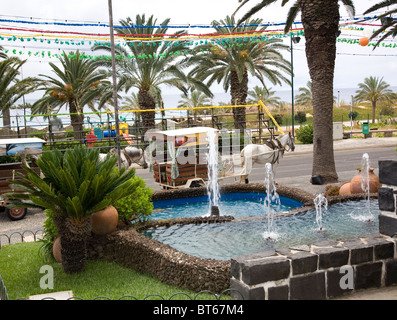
[15,214]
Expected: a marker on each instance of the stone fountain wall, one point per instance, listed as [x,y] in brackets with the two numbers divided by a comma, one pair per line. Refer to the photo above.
[134,250]
[331,269]
[387,197]
[320,271]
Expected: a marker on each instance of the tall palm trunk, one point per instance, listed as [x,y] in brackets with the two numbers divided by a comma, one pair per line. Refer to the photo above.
[77,120]
[239,92]
[146,102]
[320,19]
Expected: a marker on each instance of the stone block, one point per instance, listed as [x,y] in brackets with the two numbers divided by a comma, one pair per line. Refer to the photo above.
[256,271]
[388,223]
[308,287]
[235,269]
[239,291]
[278,293]
[359,252]
[383,248]
[391,272]
[388,172]
[334,287]
[303,262]
[386,199]
[368,275]
[332,257]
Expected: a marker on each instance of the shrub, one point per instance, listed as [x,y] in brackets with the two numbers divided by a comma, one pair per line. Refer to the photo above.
[353,115]
[300,117]
[305,134]
[279,118]
[136,205]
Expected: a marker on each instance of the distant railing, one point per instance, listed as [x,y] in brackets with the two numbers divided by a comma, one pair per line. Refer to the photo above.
[15,237]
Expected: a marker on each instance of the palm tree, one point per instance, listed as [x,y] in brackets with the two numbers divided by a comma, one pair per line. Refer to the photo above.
[389,25]
[305,97]
[11,88]
[131,103]
[263,94]
[149,65]
[373,90]
[193,100]
[78,83]
[232,64]
[320,20]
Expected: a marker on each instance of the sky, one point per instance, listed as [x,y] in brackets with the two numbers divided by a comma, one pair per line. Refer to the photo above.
[353,62]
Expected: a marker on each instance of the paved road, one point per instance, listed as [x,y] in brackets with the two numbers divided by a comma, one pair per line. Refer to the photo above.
[296,169]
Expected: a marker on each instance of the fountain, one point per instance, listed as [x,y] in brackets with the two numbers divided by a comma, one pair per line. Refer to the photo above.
[320,202]
[250,205]
[365,181]
[271,198]
[213,185]
[364,186]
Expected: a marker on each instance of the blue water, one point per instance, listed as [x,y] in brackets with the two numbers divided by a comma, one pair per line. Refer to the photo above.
[226,240]
[239,204]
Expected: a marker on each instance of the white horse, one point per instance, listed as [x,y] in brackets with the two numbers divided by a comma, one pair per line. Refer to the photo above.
[270,152]
[128,156]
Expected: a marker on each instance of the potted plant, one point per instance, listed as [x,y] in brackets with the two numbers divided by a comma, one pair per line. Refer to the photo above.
[75,184]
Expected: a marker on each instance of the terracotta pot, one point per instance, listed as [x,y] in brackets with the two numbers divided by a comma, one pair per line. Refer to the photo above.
[104,221]
[355,184]
[344,190]
[56,250]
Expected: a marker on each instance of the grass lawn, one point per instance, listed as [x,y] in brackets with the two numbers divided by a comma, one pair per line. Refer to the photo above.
[20,269]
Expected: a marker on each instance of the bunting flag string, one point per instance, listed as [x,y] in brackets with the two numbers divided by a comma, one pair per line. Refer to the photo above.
[50,54]
[26,20]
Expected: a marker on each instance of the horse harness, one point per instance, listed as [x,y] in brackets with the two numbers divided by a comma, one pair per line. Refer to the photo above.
[129,159]
[277,147]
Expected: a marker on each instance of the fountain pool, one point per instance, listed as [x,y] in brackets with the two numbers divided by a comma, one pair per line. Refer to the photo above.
[236,204]
[242,236]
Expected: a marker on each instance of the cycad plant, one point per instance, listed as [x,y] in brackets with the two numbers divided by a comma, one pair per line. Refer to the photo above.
[75,185]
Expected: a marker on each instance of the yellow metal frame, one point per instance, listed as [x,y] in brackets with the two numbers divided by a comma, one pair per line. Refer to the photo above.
[270,115]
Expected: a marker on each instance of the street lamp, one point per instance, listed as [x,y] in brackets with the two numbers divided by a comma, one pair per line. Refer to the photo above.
[116,109]
[293,40]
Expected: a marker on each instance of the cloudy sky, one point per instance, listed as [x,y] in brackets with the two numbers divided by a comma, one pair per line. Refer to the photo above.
[353,63]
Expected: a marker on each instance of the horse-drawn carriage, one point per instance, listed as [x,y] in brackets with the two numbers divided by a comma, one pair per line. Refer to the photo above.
[11,147]
[178,158]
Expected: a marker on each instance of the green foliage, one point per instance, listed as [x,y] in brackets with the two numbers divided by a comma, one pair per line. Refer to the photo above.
[387,110]
[49,234]
[353,115]
[300,117]
[136,205]
[305,134]
[75,183]
[279,118]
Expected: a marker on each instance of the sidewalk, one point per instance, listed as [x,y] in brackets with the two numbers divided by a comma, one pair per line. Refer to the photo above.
[349,144]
